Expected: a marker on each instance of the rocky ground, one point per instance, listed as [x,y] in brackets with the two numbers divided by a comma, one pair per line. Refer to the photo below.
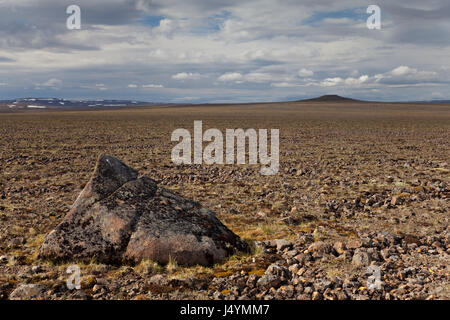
[361,189]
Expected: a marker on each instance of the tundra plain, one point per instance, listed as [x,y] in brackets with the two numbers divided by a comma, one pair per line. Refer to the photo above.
[359,184]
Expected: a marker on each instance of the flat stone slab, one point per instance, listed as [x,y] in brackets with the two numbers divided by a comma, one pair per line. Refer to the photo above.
[121,217]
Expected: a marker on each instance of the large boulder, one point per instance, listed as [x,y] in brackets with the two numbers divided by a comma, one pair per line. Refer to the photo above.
[120,217]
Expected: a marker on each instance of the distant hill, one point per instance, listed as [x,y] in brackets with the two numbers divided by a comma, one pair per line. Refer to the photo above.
[434,102]
[337,98]
[331,98]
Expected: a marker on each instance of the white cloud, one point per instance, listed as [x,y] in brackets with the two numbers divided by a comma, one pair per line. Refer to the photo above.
[258,77]
[100,86]
[132,85]
[402,70]
[305,73]
[402,76]
[187,76]
[54,83]
[351,82]
[187,99]
[331,82]
[356,81]
[166,26]
[437,95]
[407,74]
[284,85]
[158,54]
[264,75]
[152,86]
[97,86]
[230,76]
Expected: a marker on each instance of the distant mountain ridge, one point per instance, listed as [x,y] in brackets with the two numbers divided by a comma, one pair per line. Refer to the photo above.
[331,98]
[23,104]
[433,101]
[57,103]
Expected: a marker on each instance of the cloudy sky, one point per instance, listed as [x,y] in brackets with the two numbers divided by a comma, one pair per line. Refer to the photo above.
[224,50]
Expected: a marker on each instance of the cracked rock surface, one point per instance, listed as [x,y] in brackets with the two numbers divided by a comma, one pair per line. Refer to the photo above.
[122,217]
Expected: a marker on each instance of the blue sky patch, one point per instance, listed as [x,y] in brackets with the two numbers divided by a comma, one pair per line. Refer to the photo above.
[213,23]
[358,14]
[151,21]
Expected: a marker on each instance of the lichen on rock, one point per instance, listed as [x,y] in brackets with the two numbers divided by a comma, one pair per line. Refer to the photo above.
[120,216]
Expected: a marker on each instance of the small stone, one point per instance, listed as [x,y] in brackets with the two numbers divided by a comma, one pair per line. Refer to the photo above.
[291,253]
[341,295]
[316,296]
[252,279]
[36,269]
[339,247]
[410,239]
[96,288]
[385,254]
[360,258]
[88,282]
[299,288]
[282,244]
[396,200]
[319,232]
[288,220]
[159,280]
[15,243]
[259,244]
[268,281]
[436,244]
[294,268]
[329,295]
[275,269]
[301,271]
[262,214]
[320,247]
[218,295]
[79,295]
[288,290]
[308,290]
[322,285]
[354,243]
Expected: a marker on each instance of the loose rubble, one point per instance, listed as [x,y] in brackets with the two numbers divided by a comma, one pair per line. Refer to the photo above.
[300,273]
